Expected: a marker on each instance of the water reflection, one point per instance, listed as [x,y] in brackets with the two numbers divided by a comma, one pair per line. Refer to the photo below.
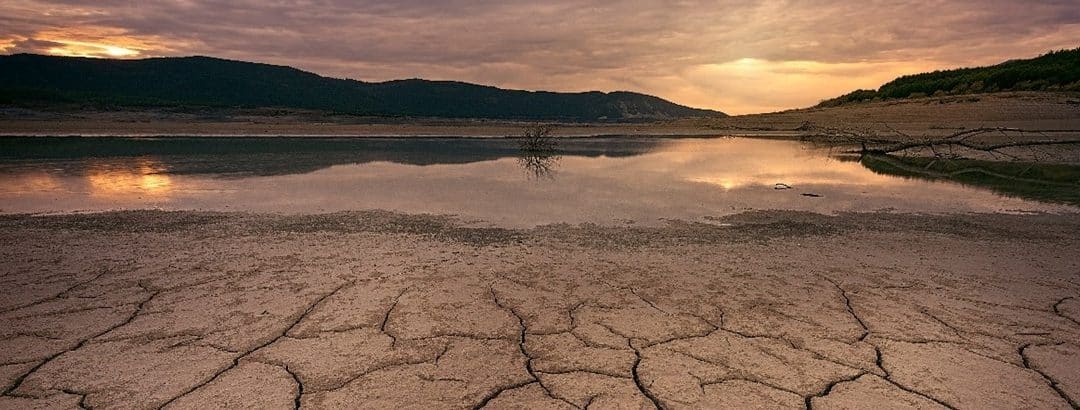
[599,180]
[1042,182]
[237,157]
[119,179]
[735,163]
[539,166]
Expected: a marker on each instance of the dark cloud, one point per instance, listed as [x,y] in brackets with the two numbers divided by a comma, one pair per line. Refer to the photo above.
[651,46]
[32,46]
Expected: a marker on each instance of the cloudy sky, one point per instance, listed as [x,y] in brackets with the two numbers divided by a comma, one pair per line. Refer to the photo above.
[734,56]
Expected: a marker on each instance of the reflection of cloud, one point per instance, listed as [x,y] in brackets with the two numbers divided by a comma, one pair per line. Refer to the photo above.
[21,183]
[682,50]
[762,85]
[764,164]
[685,179]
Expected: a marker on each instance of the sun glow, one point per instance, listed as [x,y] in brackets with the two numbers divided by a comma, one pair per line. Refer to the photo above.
[87,49]
[92,41]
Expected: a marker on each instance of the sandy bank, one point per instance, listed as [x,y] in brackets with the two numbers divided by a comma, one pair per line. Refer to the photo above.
[153,123]
[930,116]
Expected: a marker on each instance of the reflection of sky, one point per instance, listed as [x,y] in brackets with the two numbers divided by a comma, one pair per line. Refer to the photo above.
[686,179]
[144,178]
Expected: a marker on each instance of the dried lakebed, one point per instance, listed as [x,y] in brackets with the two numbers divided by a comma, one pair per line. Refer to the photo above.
[150,309]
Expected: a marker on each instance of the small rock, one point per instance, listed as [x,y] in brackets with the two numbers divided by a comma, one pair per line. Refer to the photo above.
[781,186]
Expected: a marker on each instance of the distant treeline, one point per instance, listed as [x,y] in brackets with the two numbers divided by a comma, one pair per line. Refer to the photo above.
[204,82]
[1055,71]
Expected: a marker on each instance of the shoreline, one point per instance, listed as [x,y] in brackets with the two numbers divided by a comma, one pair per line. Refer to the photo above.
[924,117]
[727,221]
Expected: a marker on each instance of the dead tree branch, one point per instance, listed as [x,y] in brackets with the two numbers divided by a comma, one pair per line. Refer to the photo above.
[871,142]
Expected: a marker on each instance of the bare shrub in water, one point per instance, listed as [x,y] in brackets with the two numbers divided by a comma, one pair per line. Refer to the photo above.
[537,139]
[538,151]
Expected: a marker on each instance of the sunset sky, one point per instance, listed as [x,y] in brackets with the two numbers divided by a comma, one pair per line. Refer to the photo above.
[734,56]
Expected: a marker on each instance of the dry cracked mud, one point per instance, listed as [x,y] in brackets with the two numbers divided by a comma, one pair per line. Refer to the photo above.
[372,309]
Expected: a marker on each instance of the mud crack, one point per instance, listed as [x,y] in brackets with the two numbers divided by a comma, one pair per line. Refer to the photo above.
[1050,380]
[809,400]
[525,351]
[637,377]
[283,333]
[59,295]
[299,387]
[138,309]
[386,317]
[851,310]
[1057,310]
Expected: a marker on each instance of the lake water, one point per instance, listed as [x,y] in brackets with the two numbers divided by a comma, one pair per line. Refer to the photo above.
[487,181]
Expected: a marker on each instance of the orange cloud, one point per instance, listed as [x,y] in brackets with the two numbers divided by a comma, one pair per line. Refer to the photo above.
[735,56]
[89,41]
[754,85]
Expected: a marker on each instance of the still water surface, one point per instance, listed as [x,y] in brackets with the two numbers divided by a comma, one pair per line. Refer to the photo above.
[601,180]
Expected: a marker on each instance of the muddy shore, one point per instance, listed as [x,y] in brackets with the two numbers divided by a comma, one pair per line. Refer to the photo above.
[148,309]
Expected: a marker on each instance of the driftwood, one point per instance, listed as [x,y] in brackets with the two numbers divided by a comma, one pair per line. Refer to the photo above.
[870,142]
[961,139]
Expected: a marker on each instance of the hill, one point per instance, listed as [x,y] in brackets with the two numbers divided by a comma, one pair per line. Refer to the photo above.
[201,82]
[1055,71]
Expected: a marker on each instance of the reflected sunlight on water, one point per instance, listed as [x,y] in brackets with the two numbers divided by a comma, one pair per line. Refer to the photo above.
[591,180]
[117,180]
[732,163]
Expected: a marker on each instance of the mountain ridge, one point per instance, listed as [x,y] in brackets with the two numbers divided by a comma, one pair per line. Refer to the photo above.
[202,81]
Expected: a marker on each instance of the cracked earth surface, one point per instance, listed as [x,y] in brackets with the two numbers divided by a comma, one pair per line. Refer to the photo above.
[374,309]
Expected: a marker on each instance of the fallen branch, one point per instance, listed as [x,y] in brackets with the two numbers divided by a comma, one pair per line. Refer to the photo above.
[870,143]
